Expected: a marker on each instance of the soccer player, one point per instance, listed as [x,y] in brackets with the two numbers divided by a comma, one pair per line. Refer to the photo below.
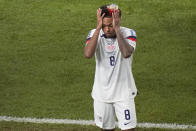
[114,87]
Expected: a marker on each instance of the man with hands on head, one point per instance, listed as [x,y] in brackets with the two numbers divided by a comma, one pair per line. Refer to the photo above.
[114,87]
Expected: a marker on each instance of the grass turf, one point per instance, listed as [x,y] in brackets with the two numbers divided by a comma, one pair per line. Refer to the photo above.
[10,126]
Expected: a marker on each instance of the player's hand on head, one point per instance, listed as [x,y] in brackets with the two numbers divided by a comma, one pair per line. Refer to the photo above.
[99,18]
[116,19]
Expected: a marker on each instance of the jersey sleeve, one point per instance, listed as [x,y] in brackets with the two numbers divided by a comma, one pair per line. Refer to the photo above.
[130,37]
[90,35]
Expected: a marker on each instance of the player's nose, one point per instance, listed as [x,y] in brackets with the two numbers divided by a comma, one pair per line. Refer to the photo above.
[107,29]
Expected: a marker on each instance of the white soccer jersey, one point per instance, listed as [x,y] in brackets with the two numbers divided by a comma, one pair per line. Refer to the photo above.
[113,76]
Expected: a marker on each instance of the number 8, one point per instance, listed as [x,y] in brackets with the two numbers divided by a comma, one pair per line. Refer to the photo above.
[112,60]
[127,115]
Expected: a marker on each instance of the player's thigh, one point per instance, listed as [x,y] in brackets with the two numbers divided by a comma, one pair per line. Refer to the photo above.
[104,115]
[126,114]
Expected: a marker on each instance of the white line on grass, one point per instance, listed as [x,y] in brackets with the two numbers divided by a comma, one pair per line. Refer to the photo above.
[90,122]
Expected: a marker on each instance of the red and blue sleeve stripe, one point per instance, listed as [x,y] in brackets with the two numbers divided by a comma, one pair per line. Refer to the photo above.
[87,40]
[133,38]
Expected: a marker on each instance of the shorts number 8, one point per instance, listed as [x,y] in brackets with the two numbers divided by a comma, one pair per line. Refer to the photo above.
[127,115]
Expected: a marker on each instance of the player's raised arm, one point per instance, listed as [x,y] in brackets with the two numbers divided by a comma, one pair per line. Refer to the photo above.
[89,49]
[124,46]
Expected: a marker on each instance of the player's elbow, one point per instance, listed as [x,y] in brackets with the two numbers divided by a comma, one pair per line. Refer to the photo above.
[127,55]
[87,55]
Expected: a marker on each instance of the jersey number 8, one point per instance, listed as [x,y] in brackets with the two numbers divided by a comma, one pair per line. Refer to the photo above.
[112,60]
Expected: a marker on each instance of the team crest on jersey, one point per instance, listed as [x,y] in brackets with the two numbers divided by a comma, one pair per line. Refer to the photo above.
[110,46]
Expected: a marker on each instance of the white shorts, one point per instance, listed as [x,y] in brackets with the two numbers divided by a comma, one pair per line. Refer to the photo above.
[106,113]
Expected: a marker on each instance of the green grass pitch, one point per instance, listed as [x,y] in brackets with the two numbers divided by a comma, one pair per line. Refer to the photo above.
[43,72]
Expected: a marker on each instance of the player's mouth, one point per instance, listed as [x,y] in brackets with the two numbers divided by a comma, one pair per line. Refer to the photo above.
[109,34]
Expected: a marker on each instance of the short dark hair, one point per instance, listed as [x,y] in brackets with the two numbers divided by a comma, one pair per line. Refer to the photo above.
[105,10]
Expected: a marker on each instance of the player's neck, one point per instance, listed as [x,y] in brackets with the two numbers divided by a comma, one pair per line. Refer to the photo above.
[108,37]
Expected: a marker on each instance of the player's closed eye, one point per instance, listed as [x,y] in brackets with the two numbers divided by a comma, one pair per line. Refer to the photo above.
[110,25]
[107,26]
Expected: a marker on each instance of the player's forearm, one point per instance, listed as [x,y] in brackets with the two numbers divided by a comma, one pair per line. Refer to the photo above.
[90,48]
[124,47]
